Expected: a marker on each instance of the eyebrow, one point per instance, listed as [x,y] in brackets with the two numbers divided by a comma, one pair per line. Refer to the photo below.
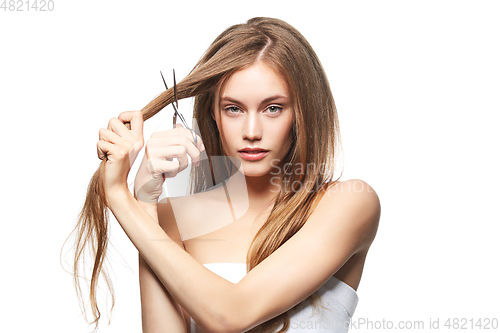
[265,101]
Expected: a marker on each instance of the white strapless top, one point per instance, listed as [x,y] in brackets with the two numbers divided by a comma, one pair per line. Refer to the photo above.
[337,297]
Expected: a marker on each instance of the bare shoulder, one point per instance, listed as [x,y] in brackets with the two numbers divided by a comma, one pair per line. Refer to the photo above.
[355,203]
[353,189]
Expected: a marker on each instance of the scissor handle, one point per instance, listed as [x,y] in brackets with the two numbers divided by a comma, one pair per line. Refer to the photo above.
[195,137]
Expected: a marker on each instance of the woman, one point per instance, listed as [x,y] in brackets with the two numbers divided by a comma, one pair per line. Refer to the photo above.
[263,101]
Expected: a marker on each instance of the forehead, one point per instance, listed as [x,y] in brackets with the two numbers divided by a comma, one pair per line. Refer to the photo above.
[256,81]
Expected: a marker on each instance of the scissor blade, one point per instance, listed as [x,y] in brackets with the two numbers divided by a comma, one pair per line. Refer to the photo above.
[175,91]
[165,83]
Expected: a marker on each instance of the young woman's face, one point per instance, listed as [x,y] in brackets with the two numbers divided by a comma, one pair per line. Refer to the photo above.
[255,119]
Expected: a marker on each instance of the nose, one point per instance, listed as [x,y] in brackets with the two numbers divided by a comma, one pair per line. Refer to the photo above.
[252,127]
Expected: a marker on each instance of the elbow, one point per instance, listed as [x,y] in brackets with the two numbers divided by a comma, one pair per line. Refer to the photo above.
[228,314]
[221,324]
[227,320]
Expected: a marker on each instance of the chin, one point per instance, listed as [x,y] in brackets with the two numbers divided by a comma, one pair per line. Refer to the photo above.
[254,174]
[254,170]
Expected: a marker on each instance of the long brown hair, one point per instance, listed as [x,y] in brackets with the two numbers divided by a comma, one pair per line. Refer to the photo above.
[310,160]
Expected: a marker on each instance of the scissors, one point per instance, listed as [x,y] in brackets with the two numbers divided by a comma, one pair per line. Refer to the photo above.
[175,104]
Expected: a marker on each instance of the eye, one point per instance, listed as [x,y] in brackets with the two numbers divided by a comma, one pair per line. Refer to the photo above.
[274,109]
[232,109]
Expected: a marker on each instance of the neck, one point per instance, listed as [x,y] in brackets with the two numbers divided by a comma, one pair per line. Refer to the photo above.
[262,190]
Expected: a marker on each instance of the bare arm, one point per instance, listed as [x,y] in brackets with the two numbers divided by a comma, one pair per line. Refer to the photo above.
[160,311]
[344,223]
[119,146]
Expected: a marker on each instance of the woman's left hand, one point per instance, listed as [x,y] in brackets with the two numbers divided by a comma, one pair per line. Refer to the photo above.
[120,146]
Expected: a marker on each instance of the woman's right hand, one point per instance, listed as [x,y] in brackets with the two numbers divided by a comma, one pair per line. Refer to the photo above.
[158,162]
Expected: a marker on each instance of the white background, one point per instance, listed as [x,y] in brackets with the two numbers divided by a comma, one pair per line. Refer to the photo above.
[416,84]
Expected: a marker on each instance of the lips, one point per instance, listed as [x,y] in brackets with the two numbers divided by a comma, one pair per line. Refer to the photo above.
[253,154]
[253,150]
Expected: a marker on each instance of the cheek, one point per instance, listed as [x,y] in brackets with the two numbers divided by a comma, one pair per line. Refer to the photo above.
[229,128]
[228,133]
[230,136]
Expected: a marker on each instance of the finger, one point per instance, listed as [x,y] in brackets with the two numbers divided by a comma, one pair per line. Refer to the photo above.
[128,138]
[189,134]
[110,136]
[183,162]
[136,120]
[179,152]
[200,145]
[180,130]
[167,143]
[119,142]
[103,147]
[168,153]
[117,126]
[170,168]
